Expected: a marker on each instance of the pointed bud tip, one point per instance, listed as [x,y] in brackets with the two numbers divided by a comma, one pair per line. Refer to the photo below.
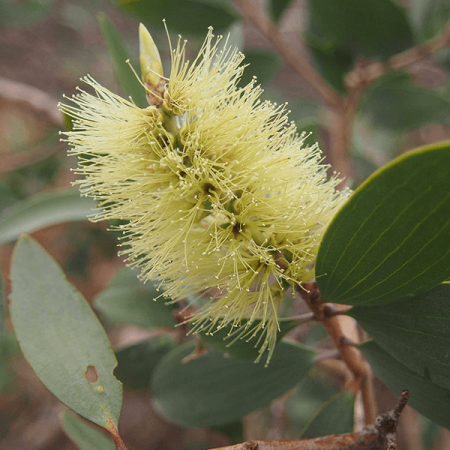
[151,66]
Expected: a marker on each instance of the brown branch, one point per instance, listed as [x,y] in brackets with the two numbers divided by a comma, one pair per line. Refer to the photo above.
[362,76]
[348,352]
[34,98]
[252,12]
[380,436]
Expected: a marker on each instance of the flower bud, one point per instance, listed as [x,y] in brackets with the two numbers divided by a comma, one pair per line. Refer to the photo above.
[151,67]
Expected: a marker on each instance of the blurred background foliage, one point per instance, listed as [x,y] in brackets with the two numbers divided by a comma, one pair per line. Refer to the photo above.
[379,86]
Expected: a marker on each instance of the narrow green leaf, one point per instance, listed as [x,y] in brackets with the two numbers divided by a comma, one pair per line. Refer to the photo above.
[335,416]
[429,18]
[398,105]
[61,337]
[263,64]
[192,17]
[84,435]
[213,390]
[390,240]
[229,340]
[278,8]
[427,398]
[43,210]
[119,55]
[128,300]
[136,363]
[415,331]
[373,28]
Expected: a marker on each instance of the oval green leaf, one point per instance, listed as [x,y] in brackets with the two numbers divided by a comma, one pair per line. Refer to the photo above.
[390,240]
[191,17]
[43,210]
[62,338]
[119,55]
[372,28]
[128,300]
[335,416]
[263,64]
[398,105]
[429,18]
[136,363]
[83,435]
[213,390]
[415,331]
[233,342]
[426,397]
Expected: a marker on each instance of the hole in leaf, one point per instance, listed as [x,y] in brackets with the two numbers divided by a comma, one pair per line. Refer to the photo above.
[91,374]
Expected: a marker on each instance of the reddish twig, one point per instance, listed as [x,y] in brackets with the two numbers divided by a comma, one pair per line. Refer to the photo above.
[301,66]
[380,436]
[352,357]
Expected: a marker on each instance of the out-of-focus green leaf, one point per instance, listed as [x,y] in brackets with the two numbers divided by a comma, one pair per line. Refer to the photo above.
[43,210]
[390,240]
[429,17]
[335,416]
[128,300]
[427,398]
[2,307]
[415,331]
[311,130]
[22,14]
[233,342]
[191,17]
[84,435]
[62,338]
[233,431]
[373,28]
[136,363]
[312,392]
[119,55]
[331,61]
[9,349]
[278,7]
[212,390]
[263,64]
[396,104]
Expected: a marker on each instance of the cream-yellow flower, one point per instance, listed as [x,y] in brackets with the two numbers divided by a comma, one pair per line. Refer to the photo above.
[216,189]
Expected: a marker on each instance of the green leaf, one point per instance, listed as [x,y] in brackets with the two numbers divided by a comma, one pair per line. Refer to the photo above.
[429,18]
[119,55]
[2,307]
[23,14]
[396,104]
[84,435]
[228,339]
[263,64]
[372,28]
[278,7]
[427,398]
[62,338]
[136,363]
[309,396]
[331,61]
[43,210]
[390,240]
[415,331]
[192,17]
[213,390]
[335,416]
[128,300]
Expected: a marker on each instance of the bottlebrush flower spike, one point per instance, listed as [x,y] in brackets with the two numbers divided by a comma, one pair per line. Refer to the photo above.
[215,188]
